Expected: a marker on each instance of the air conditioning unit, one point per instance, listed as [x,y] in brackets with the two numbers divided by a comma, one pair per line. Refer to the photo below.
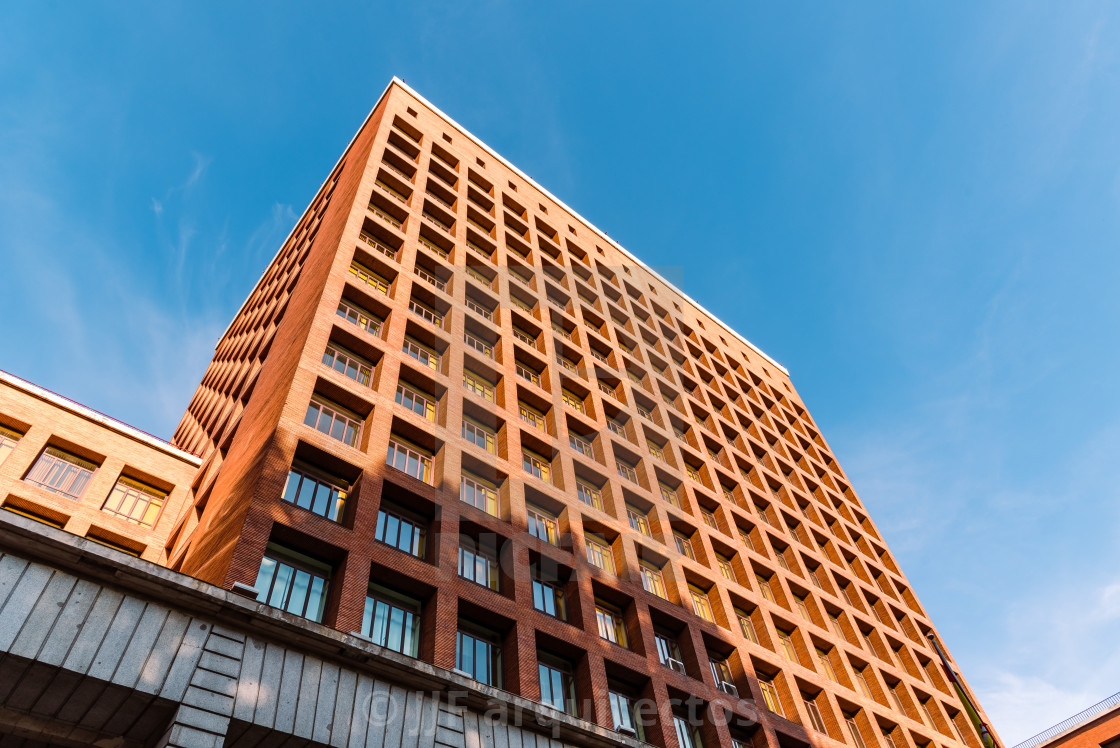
[729,688]
[674,664]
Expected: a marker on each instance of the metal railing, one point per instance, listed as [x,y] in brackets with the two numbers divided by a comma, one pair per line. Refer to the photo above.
[1072,722]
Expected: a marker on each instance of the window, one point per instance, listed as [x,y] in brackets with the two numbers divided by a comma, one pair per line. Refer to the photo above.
[334,421]
[652,581]
[746,538]
[834,624]
[709,519]
[802,607]
[542,525]
[692,472]
[430,278]
[476,566]
[479,658]
[422,353]
[478,434]
[293,582]
[599,553]
[616,428]
[558,689]
[687,735]
[524,337]
[626,471]
[896,698]
[347,363]
[573,400]
[416,402]
[479,493]
[581,445]
[788,649]
[527,374]
[826,665]
[392,621]
[725,568]
[888,739]
[426,313]
[668,653]
[764,588]
[770,696]
[536,465]
[814,714]
[479,309]
[721,672]
[746,625]
[656,451]
[409,460]
[400,532]
[701,605]
[589,495]
[861,682]
[61,472]
[611,626]
[925,713]
[532,416]
[684,545]
[479,386]
[355,315]
[670,495]
[639,522]
[135,502]
[853,730]
[624,716]
[548,598]
[317,495]
[8,441]
[479,345]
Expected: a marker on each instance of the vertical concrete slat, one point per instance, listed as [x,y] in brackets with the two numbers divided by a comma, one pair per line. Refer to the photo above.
[162,655]
[42,616]
[324,703]
[248,684]
[142,641]
[94,627]
[116,638]
[343,708]
[17,607]
[69,624]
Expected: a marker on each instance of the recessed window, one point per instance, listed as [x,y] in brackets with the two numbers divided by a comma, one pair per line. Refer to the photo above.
[701,605]
[61,472]
[292,581]
[8,441]
[479,493]
[135,502]
[405,533]
[350,364]
[558,688]
[548,597]
[599,553]
[589,495]
[416,401]
[478,656]
[320,495]
[334,421]
[542,525]
[477,566]
[610,623]
[410,460]
[652,581]
[536,465]
[392,620]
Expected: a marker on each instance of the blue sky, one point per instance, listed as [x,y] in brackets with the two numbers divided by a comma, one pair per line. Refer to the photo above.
[916,206]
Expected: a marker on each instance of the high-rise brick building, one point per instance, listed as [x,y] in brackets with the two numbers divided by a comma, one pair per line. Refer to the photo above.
[457,420]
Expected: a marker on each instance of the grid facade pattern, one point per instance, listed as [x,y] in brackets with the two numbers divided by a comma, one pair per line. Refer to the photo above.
[651,502]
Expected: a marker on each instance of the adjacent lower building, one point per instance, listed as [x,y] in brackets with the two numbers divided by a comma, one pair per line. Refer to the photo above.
[459,443]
